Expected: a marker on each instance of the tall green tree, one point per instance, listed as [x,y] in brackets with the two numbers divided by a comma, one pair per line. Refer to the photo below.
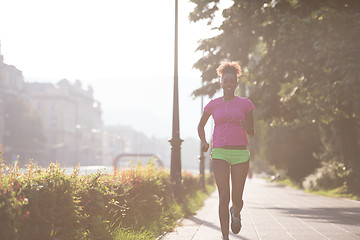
[300,58]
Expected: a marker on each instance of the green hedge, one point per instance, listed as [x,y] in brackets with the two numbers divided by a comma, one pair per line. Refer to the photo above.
[50,204]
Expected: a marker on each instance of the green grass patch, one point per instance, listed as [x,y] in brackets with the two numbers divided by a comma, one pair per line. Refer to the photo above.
[340,192]
[288,182]
[196,201]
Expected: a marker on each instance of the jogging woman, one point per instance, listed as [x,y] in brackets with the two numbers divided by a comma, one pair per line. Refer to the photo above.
[233,117]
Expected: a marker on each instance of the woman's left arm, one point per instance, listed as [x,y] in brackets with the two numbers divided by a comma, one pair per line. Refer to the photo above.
[248,123]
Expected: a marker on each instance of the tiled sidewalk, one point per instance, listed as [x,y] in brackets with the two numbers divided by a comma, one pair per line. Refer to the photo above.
[273,212]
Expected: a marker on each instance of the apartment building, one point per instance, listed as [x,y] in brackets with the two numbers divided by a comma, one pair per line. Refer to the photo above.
[71,119]
[11,84]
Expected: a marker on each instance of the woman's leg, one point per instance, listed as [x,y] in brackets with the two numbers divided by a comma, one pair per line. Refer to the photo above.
[221,170]
[238,177]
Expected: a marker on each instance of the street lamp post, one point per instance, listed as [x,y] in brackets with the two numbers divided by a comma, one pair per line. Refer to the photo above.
[175,141]
[202,156]
[77,145]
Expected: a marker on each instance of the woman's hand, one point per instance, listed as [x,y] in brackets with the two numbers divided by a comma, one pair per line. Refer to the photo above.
[204,146]
[248,123]
[248,126]
[245,125]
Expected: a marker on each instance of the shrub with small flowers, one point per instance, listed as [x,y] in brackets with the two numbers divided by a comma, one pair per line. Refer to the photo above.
[50,204]
[38,204]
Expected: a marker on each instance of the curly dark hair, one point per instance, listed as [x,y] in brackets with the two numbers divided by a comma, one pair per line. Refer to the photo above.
[229,67]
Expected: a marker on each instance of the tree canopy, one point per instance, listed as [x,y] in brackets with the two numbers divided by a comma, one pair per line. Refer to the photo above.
[300,60]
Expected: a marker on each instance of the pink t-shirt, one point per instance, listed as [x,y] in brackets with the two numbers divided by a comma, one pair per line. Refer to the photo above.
[227,116]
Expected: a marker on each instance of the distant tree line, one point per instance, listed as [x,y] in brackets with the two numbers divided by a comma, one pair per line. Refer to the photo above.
[301,61]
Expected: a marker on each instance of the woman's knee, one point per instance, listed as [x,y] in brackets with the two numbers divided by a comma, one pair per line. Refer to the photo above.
[224,198]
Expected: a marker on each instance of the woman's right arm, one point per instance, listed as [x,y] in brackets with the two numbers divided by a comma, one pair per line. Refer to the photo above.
[201,131]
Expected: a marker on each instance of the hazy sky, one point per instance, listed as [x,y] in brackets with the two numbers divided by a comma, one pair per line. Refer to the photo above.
[123,49]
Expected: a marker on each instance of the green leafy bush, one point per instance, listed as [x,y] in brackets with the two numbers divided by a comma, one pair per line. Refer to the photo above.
[331,175]
[50,204]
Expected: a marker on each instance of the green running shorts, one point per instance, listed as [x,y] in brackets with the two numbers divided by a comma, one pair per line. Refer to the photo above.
[232,156]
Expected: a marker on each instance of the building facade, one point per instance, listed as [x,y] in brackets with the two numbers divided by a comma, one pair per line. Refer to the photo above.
[71,119]
[69,114]
[11,85]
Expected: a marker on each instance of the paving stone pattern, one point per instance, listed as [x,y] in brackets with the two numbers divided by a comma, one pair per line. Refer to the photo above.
[274,212]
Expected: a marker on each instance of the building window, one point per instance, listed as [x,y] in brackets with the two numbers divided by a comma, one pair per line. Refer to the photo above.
[53,121]
[39,106]
[52,139]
